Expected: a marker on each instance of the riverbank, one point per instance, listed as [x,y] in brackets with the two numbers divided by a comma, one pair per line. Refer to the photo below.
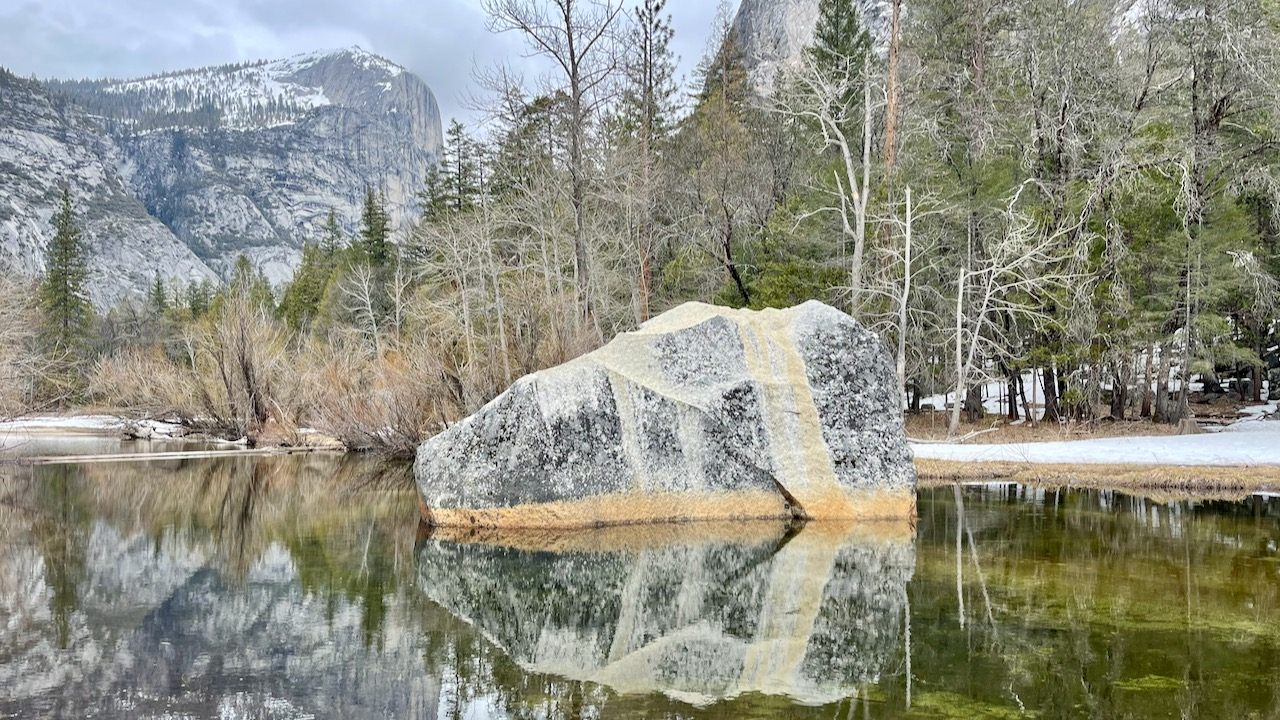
[111,425]
[1100,476]
[1244,456]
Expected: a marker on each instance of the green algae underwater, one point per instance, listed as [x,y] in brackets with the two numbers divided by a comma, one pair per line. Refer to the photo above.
[302,586]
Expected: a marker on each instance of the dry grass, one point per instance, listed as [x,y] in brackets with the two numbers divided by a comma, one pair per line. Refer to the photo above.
[933,426]
[1107,477]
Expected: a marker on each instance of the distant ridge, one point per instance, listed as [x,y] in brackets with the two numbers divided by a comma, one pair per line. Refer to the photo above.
[223,160]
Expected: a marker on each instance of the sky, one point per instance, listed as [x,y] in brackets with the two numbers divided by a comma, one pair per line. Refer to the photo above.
[442,41]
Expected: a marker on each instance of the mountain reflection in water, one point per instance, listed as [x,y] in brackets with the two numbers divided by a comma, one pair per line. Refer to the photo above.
[302,586]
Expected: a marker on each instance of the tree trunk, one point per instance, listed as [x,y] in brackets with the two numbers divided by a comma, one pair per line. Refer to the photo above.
[1146,381]
[1013,384]
[1028,411]
[1119,390]
[961,380]
[646,285]
[902,303]
[973,408]
[1162,387]
[891,89]
[1050,383]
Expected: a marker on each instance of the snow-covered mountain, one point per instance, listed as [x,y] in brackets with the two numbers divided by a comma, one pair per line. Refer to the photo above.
[46,142]
[229,160]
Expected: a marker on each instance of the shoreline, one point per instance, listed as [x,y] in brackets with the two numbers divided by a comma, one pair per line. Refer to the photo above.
[1185,478]
[931,471]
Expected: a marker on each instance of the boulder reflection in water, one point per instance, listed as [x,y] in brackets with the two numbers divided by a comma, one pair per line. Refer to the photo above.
[699,612]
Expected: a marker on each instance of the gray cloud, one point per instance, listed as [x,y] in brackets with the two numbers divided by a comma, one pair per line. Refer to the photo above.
[440,40]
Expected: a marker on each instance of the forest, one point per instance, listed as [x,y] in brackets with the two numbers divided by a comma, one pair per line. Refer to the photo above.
[1076,200]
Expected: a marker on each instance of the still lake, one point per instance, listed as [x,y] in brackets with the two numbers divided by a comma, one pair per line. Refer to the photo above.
[302,586]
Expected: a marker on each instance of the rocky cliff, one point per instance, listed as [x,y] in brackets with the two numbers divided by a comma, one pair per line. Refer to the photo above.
[703,413]
[773,33]
[212,163]
[46,141]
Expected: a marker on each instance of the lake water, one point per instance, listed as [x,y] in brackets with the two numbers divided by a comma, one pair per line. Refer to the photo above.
[301,586]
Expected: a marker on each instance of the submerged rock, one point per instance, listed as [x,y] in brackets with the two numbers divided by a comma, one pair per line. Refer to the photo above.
[703,413]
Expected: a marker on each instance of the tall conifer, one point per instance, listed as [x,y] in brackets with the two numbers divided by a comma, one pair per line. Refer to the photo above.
[65,302]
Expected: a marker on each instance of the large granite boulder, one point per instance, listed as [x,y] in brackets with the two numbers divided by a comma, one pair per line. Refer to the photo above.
[703,413]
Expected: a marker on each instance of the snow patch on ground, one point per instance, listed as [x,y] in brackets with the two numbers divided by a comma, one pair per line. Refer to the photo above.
[1242,444]
[106,424]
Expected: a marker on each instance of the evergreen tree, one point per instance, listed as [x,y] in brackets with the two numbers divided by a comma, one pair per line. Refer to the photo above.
[722,76]
[158,298]
[840,42]
[65,303]
[460,169]
[434,196]
[647,108]
[246,278]
[197,297]
[332,241]
[375,229]
[649,97]
[301,300]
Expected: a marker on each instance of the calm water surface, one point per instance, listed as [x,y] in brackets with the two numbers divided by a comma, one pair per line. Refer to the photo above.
[302,587]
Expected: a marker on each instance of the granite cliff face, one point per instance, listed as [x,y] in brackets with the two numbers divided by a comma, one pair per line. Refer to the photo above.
[46,141]
[212,163]
[702,413]
[773,33]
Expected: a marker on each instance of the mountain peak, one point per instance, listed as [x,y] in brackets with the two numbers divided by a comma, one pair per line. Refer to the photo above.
[352,53]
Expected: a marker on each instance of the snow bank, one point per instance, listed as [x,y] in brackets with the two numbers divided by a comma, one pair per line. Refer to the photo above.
[100,424]
[1242,444]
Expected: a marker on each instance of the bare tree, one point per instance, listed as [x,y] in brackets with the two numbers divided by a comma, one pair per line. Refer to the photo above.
[20,362]
[819,98]
[1020,267]
[360,292]
[578,36]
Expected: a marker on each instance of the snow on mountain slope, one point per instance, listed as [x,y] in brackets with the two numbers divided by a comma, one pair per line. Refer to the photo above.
[247,96]
[46,144]
[245,159]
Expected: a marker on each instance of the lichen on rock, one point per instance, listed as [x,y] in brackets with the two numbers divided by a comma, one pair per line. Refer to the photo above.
[703,413]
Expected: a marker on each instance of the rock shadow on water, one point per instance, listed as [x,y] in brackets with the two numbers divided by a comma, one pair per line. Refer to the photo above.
[699,612]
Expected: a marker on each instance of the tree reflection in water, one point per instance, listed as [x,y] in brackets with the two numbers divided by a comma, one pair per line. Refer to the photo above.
[298,586]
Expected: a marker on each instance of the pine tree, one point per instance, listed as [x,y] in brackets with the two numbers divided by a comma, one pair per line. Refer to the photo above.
[649,97]
[63,298]
[375,229]
[302,298]
[840,42]
[245,278]
[332,241]
[434,197]
[158,298]
[460,170]
[841,46]
[722,76]
[197,298]
[647,108]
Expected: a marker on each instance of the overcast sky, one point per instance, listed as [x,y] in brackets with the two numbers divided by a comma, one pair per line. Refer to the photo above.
[439,40]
